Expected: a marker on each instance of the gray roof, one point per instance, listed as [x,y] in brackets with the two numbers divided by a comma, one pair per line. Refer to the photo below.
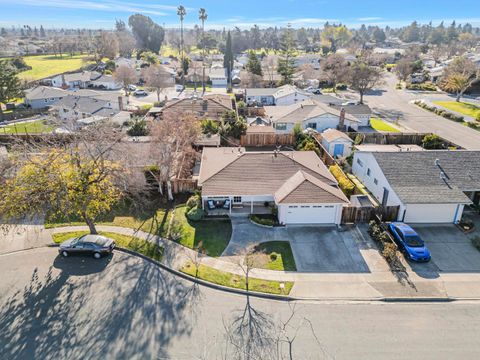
[260,91]
[416,179]
[85,105]
[44,92]
[360,109]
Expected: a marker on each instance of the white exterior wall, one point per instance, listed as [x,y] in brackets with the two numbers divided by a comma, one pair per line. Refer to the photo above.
[110,85]
[295,214]
[365,120]
[269,100]
[323,122]
[290,99]
[347,146]
[41,103]
[219,83]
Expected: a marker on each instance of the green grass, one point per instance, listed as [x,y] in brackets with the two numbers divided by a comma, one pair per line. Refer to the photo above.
[154,221]
[32,127]
[235,281]
[464,108]
[275,255]
[210,236]
[381,125]
[48,65]
[136,244]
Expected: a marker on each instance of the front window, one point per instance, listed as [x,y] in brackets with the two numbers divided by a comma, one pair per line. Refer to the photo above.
[312,125]
[237,199]
[281,126]
[368,172]
[359,162]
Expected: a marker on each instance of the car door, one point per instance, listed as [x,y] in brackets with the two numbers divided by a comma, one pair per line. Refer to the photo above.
[399,238]
[88,247]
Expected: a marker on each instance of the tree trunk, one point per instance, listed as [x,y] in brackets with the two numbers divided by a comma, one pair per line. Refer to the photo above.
[361,97]
[169,190]
[91,225]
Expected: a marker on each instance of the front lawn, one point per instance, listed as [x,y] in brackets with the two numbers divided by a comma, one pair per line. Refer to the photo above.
[31,127]
[154,220]
[274,255]
[236,281]
[381,125]
[48,65]
[464,108]
[211,235]
[136,244]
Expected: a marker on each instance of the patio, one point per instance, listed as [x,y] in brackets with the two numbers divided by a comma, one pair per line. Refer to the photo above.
[215,207]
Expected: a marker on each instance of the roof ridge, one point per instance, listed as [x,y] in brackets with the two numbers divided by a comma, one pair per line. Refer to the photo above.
[299,172]
[226,165]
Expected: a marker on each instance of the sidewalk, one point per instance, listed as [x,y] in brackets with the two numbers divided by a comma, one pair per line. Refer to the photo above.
[348,286]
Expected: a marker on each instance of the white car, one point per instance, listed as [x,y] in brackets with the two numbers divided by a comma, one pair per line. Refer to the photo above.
[351,102]
[140,92]
[132,88]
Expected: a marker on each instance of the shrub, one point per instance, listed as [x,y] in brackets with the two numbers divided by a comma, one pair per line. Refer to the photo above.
[472,125]
[138,128]
[389,252]
[476,242]
[263,220]
[195,214]
[398,86]
[477,117]
[432,142]
[427,86]
[343,181]
[209,127]
[193,201]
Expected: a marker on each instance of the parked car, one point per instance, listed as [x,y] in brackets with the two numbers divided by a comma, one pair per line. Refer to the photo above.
[95,245]
[350,102]
[409,241]
[317,92]
[132,88]
[178,88]
[140,92]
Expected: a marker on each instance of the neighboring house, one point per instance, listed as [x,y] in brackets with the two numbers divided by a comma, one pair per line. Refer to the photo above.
[75,80]
[429,186]
[361,111]
[218,77]
[308,59]
[337,143]
[77,107]
[106,82]
[43,96]
[284,95]
[309,114]
[297,183]
[212,106]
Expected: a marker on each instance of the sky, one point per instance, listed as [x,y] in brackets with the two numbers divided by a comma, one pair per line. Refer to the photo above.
[97,14]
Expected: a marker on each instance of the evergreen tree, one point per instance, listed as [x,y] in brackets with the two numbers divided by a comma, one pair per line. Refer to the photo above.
[253,65]
[286,62]
[10,86]
[228,58]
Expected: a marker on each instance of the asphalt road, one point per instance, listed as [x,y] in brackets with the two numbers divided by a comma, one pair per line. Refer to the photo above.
[123,307]
[394,105]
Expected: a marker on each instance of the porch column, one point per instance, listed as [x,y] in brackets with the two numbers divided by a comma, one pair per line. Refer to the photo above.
[230,207]
[251,206]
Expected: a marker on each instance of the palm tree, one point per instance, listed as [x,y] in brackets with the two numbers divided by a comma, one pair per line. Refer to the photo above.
[202,15]
[181,12]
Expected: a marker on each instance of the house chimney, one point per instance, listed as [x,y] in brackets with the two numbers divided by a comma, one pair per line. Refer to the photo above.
[341,121]
[120,103]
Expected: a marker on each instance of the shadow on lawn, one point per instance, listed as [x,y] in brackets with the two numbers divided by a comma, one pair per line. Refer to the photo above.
[128,309]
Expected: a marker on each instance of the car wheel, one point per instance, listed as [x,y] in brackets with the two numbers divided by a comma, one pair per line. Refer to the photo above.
[97,255]
[64,253]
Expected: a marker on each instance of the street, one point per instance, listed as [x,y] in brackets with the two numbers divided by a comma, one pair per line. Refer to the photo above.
[123,307]
[394,105]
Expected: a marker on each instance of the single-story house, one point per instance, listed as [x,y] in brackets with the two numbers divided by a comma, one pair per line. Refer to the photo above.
[309,114]
[77,107]
[337,143]
[210,106]
[296,183]
[106,82]
[428,186]
[43,96]
[283,95]
[218,77]
[360,111]
[75,80]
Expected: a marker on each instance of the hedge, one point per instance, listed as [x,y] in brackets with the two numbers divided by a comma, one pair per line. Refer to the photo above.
[440,112]
[422,87]
[343,181]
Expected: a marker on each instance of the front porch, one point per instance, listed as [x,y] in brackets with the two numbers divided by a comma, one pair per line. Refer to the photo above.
[226,206]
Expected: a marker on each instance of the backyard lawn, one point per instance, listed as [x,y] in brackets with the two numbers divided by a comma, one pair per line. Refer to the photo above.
[141,246]
[235,281]
[48,65]
[211,236]
[274,255]
[381,125]
[464,108]
[32,127]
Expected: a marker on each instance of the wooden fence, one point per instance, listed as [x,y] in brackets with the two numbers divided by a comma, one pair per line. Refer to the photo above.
[352,214]
[394,138]
[266,139]
[323,153]
[184,186]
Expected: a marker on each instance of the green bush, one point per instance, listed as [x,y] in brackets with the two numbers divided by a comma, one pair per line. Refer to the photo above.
[427,86]
[193,201]
[138,128]
[432,142]
[344,182]
[209,127]
[266,220]
[195,214]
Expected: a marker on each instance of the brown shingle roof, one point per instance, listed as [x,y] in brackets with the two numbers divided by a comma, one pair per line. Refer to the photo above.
[226,171]
[303,188]
[210,107]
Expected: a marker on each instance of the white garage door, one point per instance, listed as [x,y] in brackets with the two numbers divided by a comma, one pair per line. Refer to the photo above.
[310,214]
[430,213]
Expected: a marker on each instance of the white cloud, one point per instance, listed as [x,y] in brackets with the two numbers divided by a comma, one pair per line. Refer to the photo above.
[373,18]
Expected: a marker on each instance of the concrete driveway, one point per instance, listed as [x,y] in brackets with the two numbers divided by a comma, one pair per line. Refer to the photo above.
[315,248]
[452,251]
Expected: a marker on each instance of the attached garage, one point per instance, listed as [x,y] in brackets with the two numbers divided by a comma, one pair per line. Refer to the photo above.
[432,213]
[309,214]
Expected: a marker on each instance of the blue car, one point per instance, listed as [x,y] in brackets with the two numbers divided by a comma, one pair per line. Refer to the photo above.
[410,241]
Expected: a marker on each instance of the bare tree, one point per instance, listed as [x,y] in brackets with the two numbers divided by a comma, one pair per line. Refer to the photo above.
[106,45]
[171,147]
[404,68]
[156,77]
[250,80]
[126,43]
[335,70]
[126,76]
[363,77]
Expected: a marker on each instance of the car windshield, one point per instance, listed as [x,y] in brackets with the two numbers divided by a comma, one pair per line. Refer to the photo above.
[413,241]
